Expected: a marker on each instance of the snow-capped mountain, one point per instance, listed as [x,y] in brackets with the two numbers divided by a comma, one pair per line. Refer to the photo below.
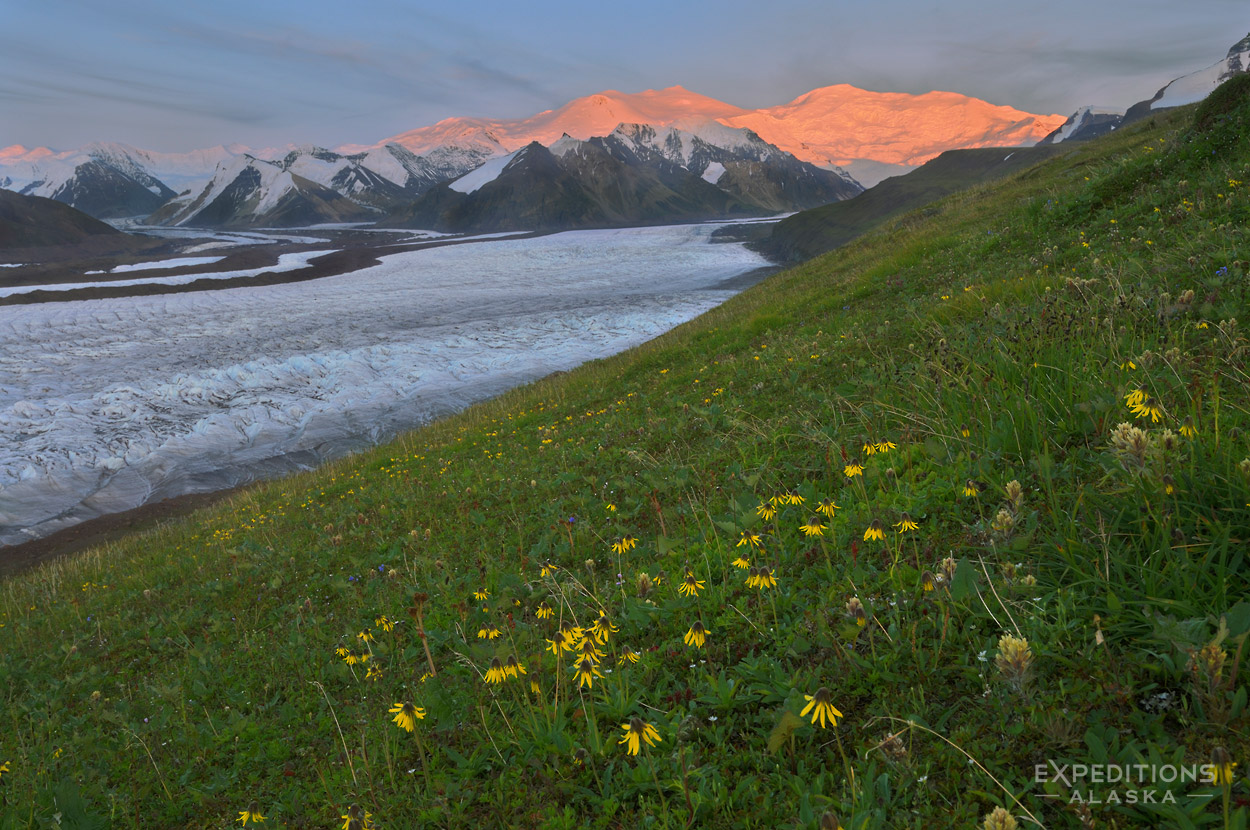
[247,191]
[1091,122]
[309,185]
[636,174]
[829,127]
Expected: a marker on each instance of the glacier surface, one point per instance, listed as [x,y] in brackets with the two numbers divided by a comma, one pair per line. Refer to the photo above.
[108,404]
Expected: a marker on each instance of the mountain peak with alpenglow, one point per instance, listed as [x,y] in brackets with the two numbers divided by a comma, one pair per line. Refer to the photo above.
[832,125]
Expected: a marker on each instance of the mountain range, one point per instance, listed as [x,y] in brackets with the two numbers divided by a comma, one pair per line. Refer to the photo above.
[763,161]
[604,159]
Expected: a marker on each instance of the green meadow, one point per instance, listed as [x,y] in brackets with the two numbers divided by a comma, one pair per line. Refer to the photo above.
[900,537]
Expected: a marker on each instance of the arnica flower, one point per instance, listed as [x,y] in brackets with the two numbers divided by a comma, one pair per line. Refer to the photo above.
[766,510]
[794,498]
[742,563]
[558,643]
[971,490]
[545,611]
[855,610]
[356,817]
[927,581]
[753,576]
[1224,765]
[637,731]
[587,671]
[481,595]
[1136,396]
[853,469]
[513,667]
[1187,428]
[690,587]
[603,628]
[4,768]
[1149,408]
[906,524]
[885,446]
[875,530]
[748,538]
[407,715]
[827,507]
[352,658]
[252,814]
[496,673]
[821,708]
[365,637]
[812,527]
[626,543]
[1000,819]
[629,654]
[869,448]
[384,622]
[374,673]
[965,431]
[588,648]
[343,651]
[488,631]
[766,578]
[548,569]
[1169,484]
[697,635]
[572,634]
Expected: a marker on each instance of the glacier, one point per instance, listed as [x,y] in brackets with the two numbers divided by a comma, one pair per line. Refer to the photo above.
[108,404]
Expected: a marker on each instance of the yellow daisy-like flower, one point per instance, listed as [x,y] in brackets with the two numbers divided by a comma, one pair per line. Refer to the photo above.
[821,708]
[628,654]
[812,527]
[965,431]
[636,732]
[875,531]
[513,667]
[545,611]
[351,658]
[343,651]
[384,623]
[557,643]
[365,637]
[794,498]
[697,635]
[587,671]
[741,562]
[1149,408]
[1224,767]
[374,673]
[1169,484]
[765,578]
[488,631]
[869,448]
[827,507]
[749,539]
[481,595]
[603,628]
[927,581]
[407,715]
[766,510]
[1188,429]
[589,648]
[853,469]
[496,673]
[886,446]
[4,768]
[1136,396]
[690,587]
[971,490]
[906,524]
[358,816]
[548,569]
[252,814]
[625,544]
[572,634]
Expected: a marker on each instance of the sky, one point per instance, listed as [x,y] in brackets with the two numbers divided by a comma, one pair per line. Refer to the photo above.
[174,76]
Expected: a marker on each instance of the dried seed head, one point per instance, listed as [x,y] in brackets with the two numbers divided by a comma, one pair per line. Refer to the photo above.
[1000,819]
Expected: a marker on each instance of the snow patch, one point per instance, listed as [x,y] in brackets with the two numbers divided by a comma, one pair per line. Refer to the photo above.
[1195,86]
[474,180]
[180,262]
[713,172]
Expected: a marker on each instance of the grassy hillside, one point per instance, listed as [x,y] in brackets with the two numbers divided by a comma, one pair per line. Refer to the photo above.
[813,232]
[30,221]
[898,486]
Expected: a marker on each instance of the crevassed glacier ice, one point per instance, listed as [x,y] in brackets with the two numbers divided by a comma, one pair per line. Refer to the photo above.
[107,404]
